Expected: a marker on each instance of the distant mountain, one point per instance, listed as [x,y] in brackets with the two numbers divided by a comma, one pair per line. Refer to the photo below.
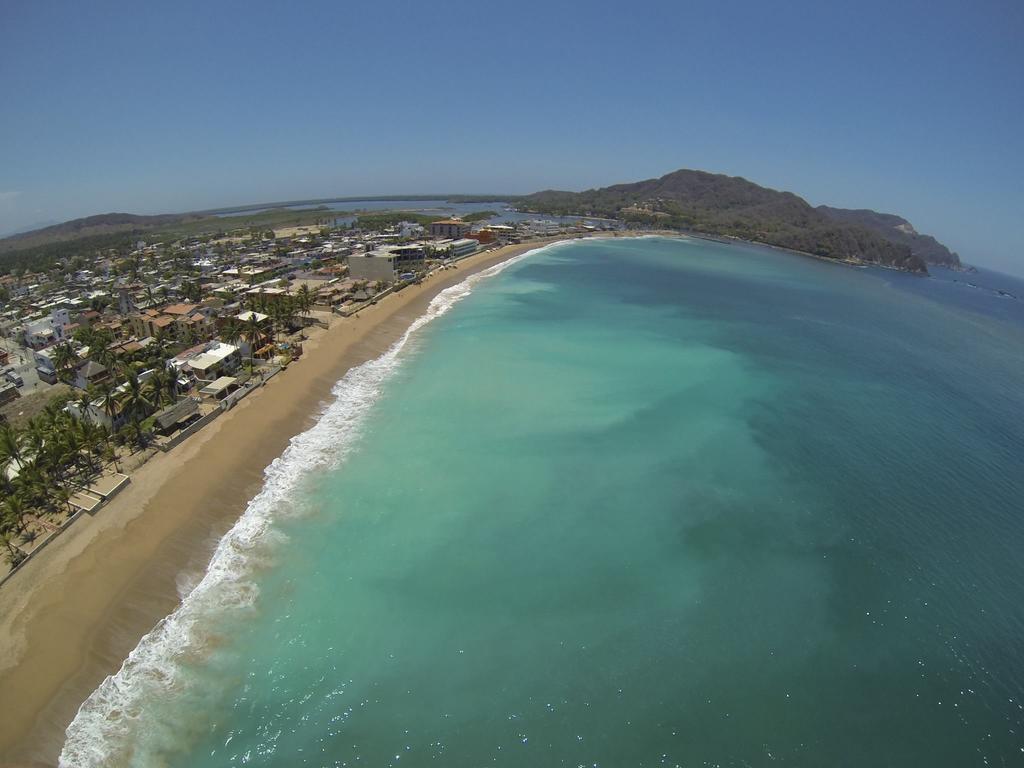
[103,224]
[897,230]
[731,205]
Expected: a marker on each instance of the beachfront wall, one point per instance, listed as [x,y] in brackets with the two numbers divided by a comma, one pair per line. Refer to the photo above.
[191,429]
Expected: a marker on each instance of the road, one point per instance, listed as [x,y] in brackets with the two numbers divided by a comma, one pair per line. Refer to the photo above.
[21,360]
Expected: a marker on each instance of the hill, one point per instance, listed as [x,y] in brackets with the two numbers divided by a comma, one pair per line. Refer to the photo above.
[102,224]
[898,230]
[732,206]
[87,237]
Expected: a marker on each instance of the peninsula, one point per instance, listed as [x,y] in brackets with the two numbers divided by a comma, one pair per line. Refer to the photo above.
[731,206]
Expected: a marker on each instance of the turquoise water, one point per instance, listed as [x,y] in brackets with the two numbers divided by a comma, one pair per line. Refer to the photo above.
[644,502]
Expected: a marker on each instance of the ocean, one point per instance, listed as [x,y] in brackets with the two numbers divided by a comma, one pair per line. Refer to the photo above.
[635,502]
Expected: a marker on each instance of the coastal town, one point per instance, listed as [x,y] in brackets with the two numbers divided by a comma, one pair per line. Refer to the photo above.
[105,364]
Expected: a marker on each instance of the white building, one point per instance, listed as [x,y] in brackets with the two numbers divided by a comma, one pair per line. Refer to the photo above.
[39,333]
[410,229]
[464,247]
[60,319]
[218,359]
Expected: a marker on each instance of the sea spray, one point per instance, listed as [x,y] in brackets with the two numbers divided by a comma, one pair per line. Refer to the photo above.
[105,728]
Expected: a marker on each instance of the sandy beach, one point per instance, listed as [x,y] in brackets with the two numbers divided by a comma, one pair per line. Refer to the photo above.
[71,616]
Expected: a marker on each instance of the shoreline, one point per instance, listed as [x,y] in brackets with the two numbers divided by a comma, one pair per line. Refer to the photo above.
[71,617]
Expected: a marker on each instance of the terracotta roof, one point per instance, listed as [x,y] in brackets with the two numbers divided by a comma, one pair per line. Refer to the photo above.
[179,309]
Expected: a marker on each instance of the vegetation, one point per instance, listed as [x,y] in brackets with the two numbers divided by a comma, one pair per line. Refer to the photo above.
[898,230]
[116,234]
[43,463]
[732,206]
[285,313]
[469,218]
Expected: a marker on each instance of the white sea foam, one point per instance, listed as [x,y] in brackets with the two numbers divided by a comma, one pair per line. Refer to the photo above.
[107,724]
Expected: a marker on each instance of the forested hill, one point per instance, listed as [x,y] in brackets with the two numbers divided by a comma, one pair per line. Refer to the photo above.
[730,205]
[119,232]
[90,226]
[899,230]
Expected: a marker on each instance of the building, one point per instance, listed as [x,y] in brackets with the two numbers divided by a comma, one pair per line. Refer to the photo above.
[269,294]
[39,333]
[150,322]
[173,320]
[218,359]
[125,302]
[464,247]
[8,392]
[100,412]
[244,319]
[176,415]
[410,229]
[502,232]
[449,228]
[409,252]
[90,372]
[386,263]
[455,249]
[60,320]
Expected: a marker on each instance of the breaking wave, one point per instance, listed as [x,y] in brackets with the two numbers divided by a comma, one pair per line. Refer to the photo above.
[107,724]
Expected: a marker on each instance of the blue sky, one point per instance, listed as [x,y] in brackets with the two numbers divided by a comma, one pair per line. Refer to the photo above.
[911,108]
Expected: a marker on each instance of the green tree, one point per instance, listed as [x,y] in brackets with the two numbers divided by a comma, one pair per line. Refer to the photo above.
[254,335]
[10,447]
[161,387]
[135,399]
[64,360]
[304,300]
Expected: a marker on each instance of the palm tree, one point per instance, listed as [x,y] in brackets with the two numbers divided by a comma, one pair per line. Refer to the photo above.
[11,550]
[13,513]
[30,484]
[38,434]
[160,386]
[278,317]
[84,400]
[304,298]
[65,453]
[134,398]
[10,446]
[64,360]
[109,454]
[85,336]
[91,437]
[62,496]
[159,342]
[103,355]
[53,412]
[253,334]
[109,402]
[288,310]
[231,332]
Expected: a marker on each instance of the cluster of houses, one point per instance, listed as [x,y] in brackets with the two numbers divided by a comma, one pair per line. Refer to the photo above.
[210,305]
